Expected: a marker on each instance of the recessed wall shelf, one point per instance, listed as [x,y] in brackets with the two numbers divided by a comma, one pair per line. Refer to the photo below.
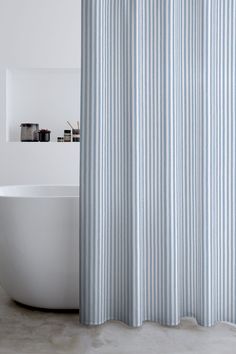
[49,97]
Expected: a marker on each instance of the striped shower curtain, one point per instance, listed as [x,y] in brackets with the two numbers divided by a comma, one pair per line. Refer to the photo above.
[158,161]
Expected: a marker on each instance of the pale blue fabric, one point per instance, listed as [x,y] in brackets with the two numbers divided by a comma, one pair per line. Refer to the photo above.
[158,161]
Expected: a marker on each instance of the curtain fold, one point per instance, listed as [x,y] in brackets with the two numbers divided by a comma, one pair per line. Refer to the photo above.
[158,158]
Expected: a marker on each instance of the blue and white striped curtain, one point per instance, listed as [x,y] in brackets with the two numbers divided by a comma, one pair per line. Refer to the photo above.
[158,161]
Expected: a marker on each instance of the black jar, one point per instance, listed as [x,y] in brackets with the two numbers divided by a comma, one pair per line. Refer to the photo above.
[44,135]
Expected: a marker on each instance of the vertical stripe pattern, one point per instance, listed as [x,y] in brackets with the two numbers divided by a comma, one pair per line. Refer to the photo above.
[158,161]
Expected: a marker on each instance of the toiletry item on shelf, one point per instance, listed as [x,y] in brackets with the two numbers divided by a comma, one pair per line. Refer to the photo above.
[67,136]
[60,139]
[75,135]
[29,132]
[44,135]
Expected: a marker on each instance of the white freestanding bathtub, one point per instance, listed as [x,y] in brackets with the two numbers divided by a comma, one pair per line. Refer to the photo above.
[39,245]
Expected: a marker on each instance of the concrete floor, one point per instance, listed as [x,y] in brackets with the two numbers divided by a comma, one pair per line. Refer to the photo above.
[24,331]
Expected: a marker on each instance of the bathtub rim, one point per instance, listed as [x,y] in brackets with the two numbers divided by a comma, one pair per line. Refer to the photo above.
[37,196]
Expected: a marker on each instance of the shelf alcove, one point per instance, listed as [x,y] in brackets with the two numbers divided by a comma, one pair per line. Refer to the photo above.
[46,96]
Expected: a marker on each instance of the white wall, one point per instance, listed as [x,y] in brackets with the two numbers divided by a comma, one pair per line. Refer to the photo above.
[37,34]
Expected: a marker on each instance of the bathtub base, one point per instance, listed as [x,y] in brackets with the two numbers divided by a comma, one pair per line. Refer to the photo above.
[41,309]
[39,246]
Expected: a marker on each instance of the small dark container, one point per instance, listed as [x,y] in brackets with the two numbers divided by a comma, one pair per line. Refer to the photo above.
[75,135]
[44,135]
[67,136]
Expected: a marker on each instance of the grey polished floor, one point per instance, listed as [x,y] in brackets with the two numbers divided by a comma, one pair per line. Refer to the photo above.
[23,331]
